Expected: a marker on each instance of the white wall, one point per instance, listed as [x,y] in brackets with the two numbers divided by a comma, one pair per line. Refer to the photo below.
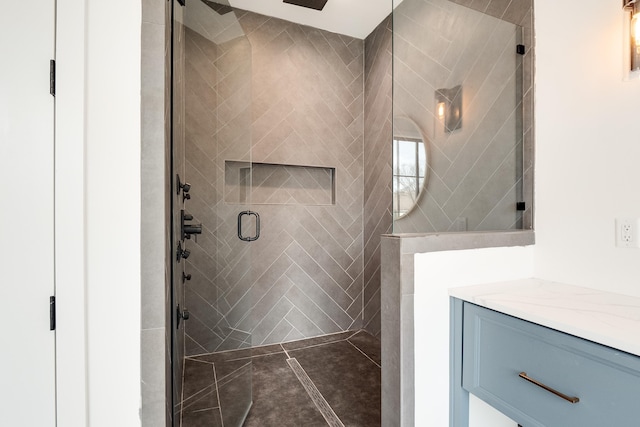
[70,219]
[435,273]
[587,146]
[105,74]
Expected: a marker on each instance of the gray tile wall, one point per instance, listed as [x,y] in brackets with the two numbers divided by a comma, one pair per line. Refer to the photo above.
[155,280]
[475,172]
[308,110]
[288,94]
[377,164]
[218,120]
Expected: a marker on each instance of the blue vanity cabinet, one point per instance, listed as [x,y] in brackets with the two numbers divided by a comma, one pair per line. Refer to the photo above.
[540,377]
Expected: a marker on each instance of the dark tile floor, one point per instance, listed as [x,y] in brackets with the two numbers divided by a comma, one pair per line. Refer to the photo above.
[341,372]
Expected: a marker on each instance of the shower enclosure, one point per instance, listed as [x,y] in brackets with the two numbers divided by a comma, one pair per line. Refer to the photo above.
[284,175]
[267,132]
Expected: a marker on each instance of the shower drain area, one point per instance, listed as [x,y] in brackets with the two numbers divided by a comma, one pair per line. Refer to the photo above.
[332,380]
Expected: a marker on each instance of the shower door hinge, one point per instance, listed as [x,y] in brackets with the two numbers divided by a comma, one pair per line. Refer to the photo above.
[52,313]
[520,49]
[52,77]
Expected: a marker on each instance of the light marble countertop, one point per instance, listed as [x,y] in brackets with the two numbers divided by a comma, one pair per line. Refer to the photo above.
[603,317]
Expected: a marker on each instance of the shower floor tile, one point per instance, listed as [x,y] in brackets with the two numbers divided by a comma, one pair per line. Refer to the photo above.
[344,368]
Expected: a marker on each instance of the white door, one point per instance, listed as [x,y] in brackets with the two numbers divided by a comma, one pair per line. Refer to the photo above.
[27,358]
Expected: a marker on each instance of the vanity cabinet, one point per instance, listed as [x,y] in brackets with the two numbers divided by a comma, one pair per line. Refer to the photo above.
[538,376]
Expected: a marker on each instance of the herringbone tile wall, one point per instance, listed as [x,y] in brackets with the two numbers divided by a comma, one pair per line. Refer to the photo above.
[475,173]
[377,164]
[218,127]
[273,92]
[291,95]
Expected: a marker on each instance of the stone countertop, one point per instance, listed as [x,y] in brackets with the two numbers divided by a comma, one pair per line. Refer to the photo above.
[603,317]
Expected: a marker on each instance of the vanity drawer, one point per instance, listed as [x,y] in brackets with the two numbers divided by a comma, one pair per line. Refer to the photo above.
[498,347]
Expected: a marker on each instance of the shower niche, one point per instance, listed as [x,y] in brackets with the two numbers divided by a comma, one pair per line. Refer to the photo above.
[278,184]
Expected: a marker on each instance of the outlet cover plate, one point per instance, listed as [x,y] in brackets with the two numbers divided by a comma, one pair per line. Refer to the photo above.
[627,232]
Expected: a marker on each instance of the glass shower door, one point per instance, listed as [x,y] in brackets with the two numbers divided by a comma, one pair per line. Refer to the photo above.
[462,74]
[212,154]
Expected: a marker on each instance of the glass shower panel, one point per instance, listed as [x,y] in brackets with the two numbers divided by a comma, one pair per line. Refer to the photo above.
[177,169]
[458,74]
[212,127]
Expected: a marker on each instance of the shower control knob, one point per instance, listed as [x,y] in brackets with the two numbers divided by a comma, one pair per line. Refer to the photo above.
[184,186]
[186,196]
[186,277]
[181,315]
[182,253]
[188,217]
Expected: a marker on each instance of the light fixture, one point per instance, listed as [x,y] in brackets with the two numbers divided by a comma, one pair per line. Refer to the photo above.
[633,6]
[441,110]
[449,107]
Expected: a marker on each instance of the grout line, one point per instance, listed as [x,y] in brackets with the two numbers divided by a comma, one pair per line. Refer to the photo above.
[301,313]
[315,395]
[235,373]
[215,381]
[365,354]
[323,343]
[285,351]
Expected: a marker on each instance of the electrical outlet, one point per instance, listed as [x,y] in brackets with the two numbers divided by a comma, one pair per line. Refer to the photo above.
[627,232]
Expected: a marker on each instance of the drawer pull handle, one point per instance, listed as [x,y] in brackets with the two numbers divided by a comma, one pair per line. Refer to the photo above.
[570,399]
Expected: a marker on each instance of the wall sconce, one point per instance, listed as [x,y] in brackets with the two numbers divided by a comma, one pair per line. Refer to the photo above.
[633,6]
[449,107]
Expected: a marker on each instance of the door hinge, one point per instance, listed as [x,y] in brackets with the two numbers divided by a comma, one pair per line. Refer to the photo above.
[520,49]
[52,313]
[52,77]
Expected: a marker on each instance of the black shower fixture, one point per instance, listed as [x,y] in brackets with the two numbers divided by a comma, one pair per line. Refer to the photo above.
[184,186]
[311,4]
[188,229]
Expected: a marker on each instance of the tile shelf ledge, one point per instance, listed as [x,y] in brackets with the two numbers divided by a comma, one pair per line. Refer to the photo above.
[413,243]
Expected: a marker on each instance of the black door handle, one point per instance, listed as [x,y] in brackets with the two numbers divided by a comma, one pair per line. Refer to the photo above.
[251,238]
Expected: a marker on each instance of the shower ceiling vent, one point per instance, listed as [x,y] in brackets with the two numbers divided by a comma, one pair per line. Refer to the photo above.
[311,4]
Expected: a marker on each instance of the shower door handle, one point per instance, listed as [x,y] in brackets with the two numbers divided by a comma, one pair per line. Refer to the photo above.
[250,238]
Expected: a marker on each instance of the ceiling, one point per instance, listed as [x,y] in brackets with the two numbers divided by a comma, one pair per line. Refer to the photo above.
[355,18]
